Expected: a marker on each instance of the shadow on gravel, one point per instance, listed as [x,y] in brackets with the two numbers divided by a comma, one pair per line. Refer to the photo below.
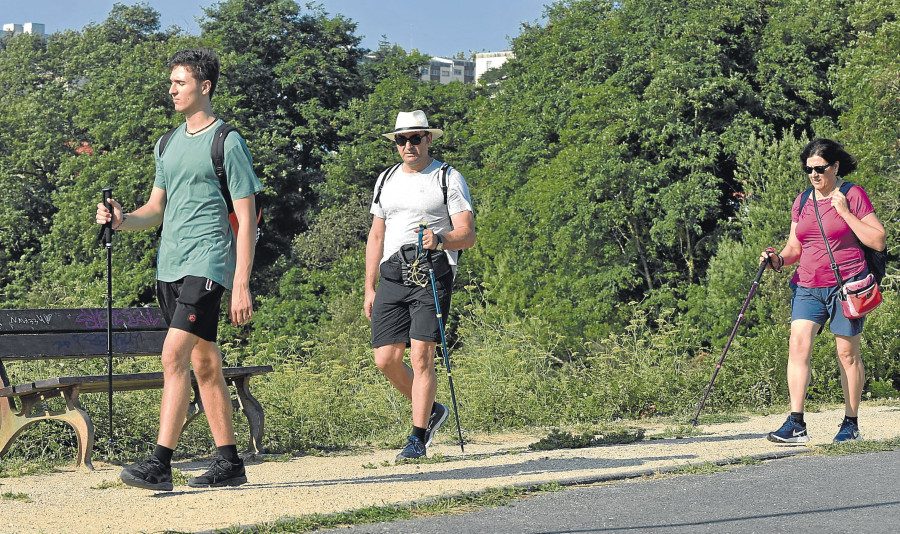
[701,439]
[537,466]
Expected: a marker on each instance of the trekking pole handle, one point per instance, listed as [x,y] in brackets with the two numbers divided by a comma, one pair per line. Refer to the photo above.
[107,228]
[422,226]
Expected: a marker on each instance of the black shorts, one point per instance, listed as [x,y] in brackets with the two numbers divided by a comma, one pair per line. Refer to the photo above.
[191,304]
[401,313]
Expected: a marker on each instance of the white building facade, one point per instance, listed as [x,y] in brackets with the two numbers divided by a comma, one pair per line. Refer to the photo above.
[444,70]
[28,27]
[490,60]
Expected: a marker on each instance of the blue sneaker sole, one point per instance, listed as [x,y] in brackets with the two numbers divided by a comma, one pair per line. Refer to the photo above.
[798,439]
[436,427]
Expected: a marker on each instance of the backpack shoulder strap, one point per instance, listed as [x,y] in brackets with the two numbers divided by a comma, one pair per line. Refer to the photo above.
[845,187]
[444,170]
[804,197]
[217,153]
[385,175]
[164,140]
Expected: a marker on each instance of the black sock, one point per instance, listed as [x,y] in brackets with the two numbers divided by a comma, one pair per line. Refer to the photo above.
[230,453]
[164,455]
[854,420]
[433,407]
[798,418]
[418,433]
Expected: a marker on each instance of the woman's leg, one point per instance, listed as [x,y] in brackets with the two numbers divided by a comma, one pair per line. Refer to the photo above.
[803,333]
[853,372]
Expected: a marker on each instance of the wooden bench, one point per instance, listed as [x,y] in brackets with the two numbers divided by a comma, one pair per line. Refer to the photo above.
[27,335]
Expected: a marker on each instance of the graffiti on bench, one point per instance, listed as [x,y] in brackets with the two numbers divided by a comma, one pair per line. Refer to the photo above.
[95,319]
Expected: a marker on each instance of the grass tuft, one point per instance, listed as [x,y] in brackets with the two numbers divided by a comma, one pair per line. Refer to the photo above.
[10,496]
[558,439]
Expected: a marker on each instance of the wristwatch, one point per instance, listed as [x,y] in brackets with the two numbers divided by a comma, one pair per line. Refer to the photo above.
[440,242]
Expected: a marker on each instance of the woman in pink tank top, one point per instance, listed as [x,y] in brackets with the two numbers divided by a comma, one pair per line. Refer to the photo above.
[847,220]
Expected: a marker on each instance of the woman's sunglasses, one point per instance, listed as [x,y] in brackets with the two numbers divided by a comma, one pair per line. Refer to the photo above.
[820,169]
[413,139]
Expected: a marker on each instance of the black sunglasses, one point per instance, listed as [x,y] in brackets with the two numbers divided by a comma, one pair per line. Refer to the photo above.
[413,139]
[818,168]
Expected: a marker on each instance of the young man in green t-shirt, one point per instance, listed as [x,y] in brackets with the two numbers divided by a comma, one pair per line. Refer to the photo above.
[199,258]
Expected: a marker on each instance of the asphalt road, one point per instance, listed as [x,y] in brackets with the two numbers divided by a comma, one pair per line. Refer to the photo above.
[814,494]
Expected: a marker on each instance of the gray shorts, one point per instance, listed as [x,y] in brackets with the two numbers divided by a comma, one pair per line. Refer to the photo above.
[401,313]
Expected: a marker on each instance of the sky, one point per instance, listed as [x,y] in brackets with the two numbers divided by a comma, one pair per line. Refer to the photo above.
[434,27]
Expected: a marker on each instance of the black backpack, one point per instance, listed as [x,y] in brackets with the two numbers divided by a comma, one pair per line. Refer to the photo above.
[217,153]
[876,260]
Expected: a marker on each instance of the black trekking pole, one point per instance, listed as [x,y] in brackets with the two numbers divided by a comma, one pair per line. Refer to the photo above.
[437,307]
[107,240]
[762,267]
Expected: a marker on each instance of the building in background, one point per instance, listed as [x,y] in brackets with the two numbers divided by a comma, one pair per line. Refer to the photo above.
[490,60]
[444,70]
[28,27]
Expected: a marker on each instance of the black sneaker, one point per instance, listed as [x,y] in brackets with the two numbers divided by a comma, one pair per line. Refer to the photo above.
[221,473]
[415,448]
[149,474]
[437,418]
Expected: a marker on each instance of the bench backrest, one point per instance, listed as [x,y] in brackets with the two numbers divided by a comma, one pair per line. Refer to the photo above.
[78,333]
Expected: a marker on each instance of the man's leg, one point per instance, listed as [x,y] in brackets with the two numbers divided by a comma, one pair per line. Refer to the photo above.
[389,359]
[176,359]
[207,362]
[424,386]
[417,383]
[155,472]
[227,469]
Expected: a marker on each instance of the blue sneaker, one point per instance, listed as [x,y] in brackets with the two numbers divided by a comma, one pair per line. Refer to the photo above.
[415,448]
[790,432]
[438,416]
[848,432]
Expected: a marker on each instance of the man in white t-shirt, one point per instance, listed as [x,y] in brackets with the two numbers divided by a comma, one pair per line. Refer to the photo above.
[402,309]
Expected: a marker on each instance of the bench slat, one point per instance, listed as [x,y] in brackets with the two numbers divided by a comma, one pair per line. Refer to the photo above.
[78,345]
[121,382]
[80,320]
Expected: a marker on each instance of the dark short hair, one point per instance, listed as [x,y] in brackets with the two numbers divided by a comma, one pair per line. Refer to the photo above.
[203,64]
[830,151]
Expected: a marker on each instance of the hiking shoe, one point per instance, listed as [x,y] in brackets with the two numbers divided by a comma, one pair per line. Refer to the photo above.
[149,474]
[415,448]
[438,416]
[790,432]
[848,432]
[221,473]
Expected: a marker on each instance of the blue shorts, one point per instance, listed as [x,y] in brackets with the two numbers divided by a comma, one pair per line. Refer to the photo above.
[821,304]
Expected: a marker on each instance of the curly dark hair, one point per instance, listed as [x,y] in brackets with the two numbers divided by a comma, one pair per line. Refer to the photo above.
[201,62]
[830,151]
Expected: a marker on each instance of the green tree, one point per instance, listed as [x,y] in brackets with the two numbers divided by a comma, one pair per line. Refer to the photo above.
[286,74]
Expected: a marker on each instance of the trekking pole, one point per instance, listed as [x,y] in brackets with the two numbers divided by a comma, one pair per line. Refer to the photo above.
[107,240]
[762,267]
[446,353]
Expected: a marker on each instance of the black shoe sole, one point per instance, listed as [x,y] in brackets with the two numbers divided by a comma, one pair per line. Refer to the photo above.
[236,481]
[131,480]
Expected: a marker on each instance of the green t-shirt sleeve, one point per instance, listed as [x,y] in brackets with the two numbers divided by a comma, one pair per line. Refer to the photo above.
[160,180]
[242,181]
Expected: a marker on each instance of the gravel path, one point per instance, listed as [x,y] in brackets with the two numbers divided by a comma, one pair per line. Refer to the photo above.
[73,500]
